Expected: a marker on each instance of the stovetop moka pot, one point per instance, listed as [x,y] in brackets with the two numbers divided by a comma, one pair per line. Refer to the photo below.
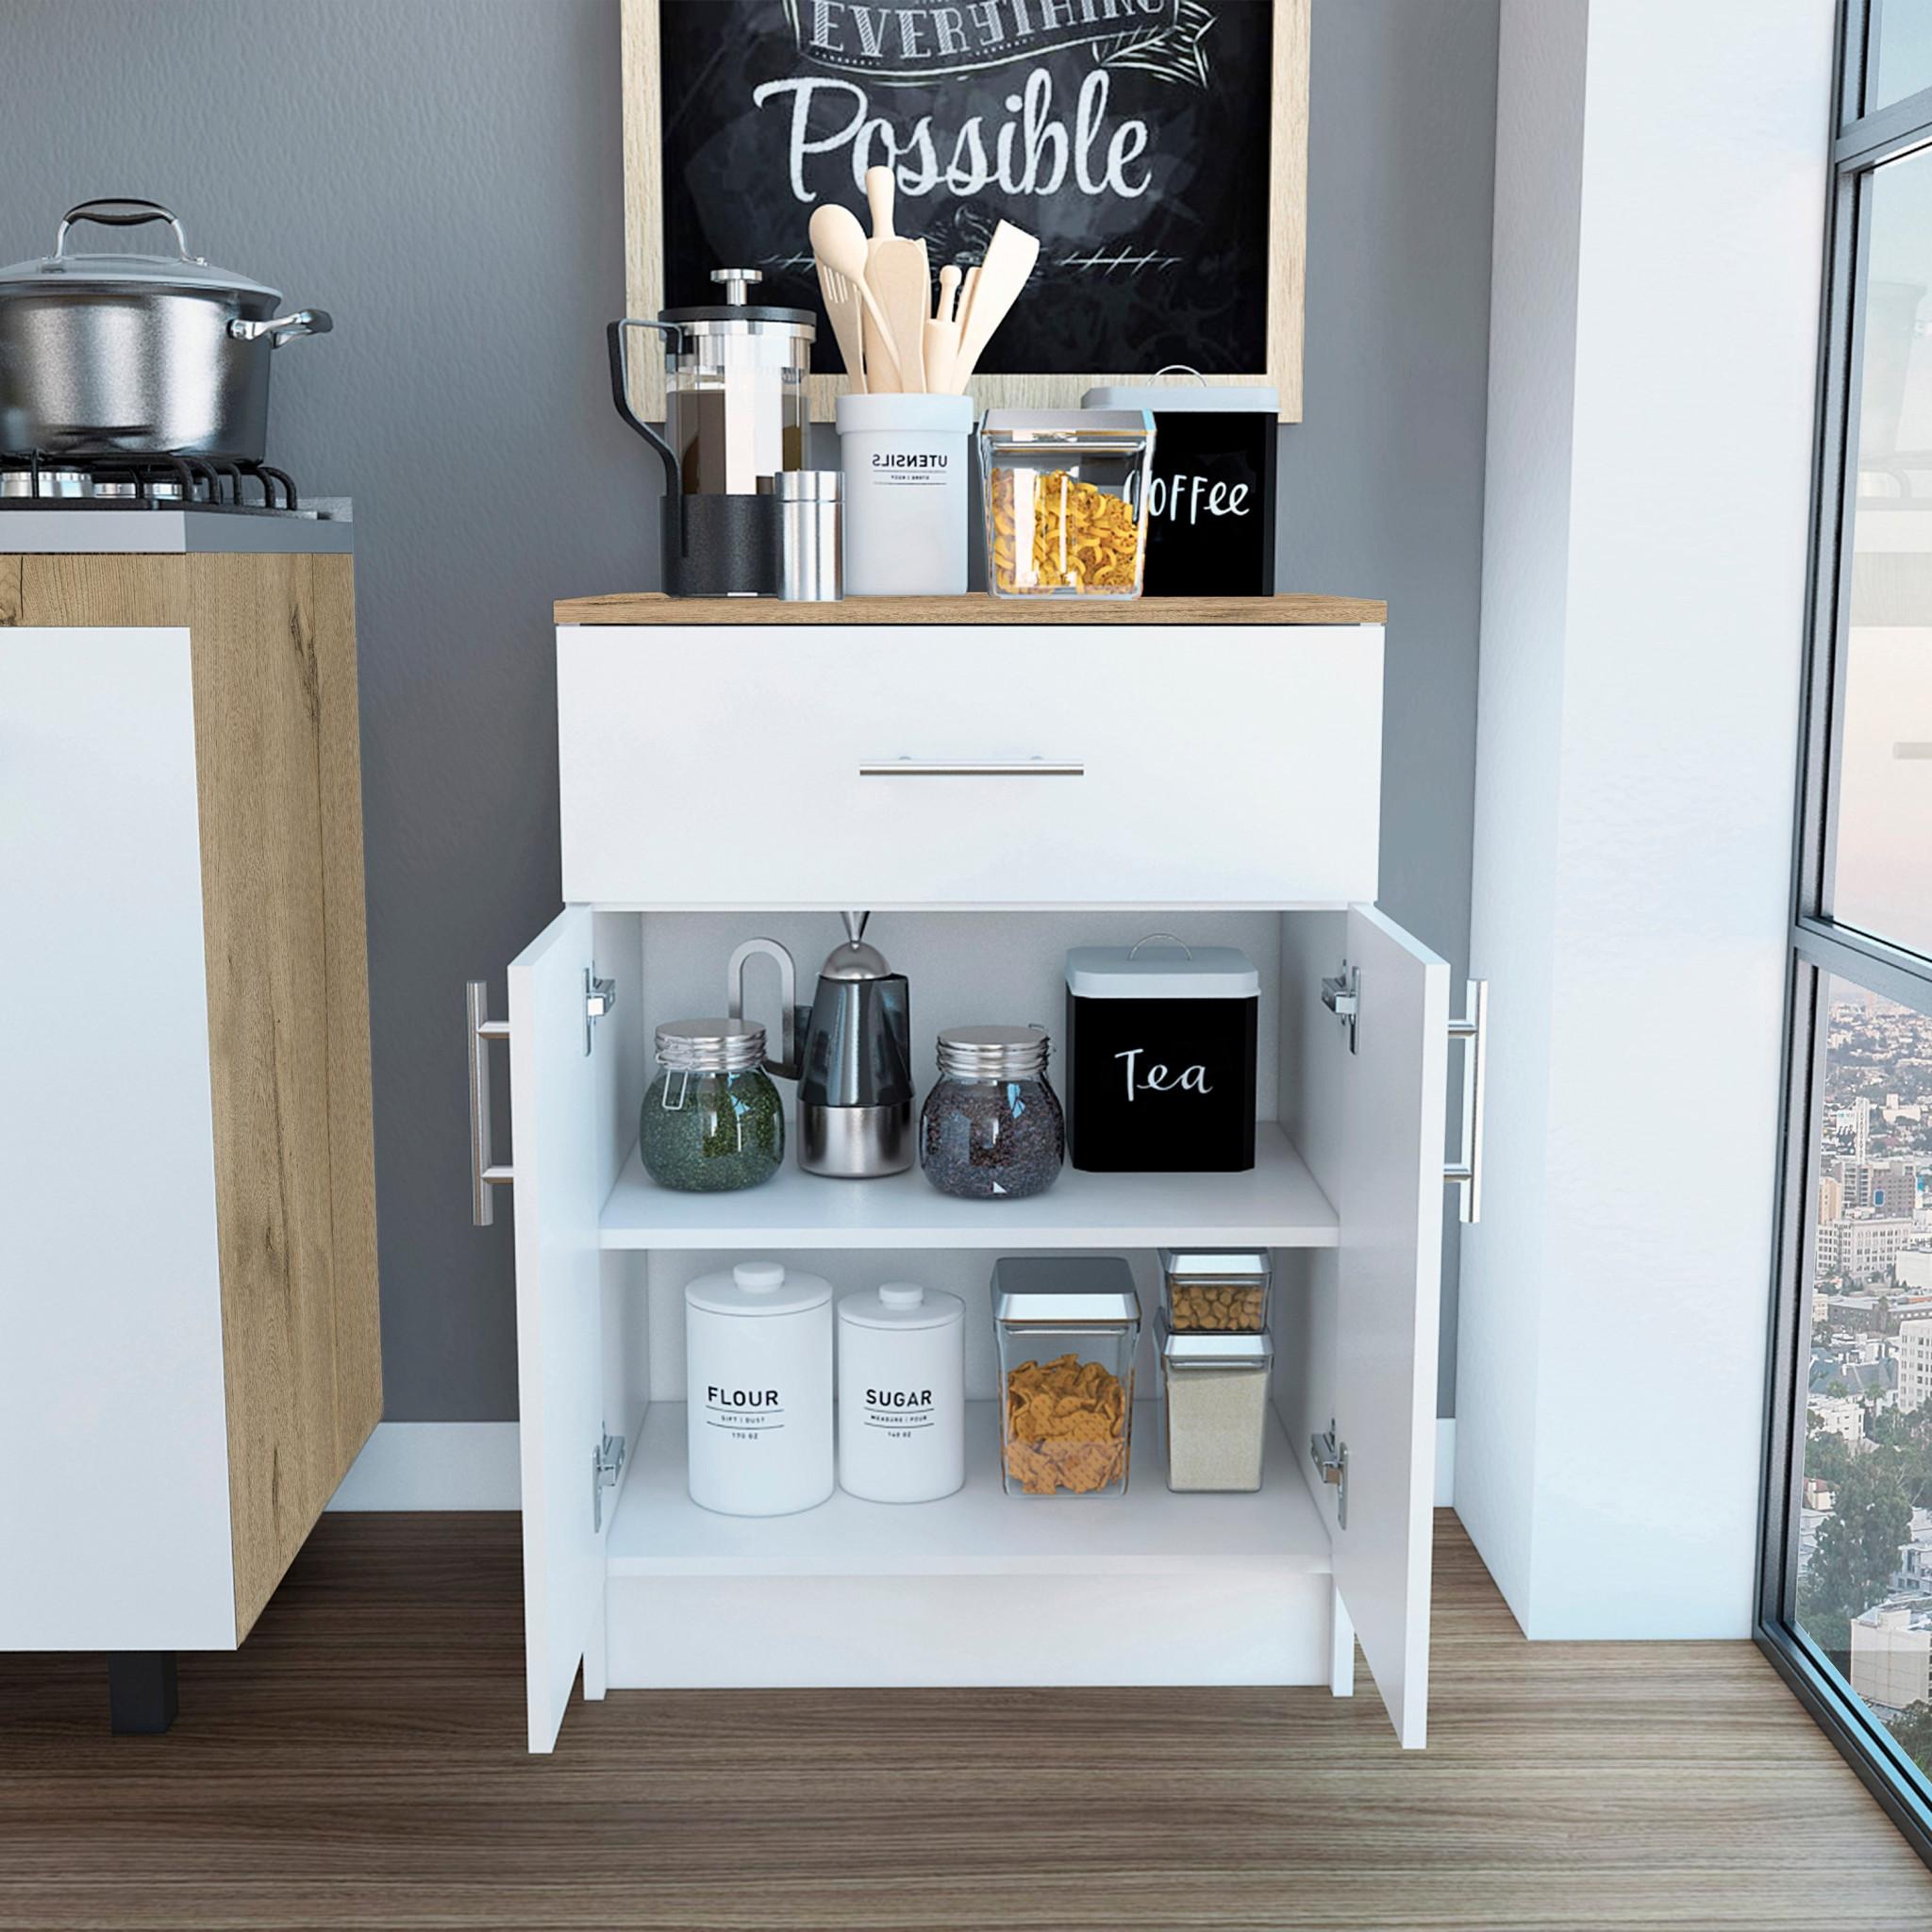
[736,414]
[851,1055]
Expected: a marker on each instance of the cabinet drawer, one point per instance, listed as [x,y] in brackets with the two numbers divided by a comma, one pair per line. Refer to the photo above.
[966,765]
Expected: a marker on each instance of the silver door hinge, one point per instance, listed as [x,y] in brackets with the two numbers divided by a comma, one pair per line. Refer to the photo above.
[1331,1462]
[600,995]
[1472,1028]
[1341,993]
[607,1465]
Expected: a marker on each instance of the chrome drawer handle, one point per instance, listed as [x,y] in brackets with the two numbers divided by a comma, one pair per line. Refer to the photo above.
[484,1173]
[976,768]
[1473,1029]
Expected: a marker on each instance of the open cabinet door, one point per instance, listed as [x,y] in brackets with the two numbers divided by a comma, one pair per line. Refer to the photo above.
[1370,1123]
[555,1148]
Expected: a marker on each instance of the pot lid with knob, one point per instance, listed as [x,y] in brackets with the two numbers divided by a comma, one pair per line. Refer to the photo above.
[68,269]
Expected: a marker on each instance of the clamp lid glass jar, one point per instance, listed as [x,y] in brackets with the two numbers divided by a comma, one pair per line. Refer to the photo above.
[1066,497]
[712,1120]
[991,1127]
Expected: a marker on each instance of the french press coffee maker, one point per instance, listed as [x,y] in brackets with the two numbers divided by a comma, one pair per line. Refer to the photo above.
[736,414]
[851,1053]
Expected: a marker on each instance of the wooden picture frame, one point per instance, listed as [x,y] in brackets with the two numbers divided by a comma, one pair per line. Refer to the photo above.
[643,232]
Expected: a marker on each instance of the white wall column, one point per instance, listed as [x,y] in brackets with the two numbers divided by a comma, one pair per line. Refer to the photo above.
[1661,183]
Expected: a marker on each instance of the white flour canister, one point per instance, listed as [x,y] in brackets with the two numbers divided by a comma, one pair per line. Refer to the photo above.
[905,460]
[902,1394]
[758,1344]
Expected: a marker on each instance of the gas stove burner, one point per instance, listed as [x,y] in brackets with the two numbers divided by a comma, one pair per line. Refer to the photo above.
[114,481]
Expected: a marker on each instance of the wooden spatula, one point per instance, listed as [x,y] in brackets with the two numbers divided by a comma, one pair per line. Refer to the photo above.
[900,279]
[847,313]
[1010,259]
[838,243]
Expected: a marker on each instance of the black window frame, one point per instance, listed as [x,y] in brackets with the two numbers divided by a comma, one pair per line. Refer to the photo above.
[1820,948]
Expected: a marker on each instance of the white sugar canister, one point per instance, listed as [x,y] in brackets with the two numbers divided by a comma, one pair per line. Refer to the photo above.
[905,460]
[757,1351]
[902,1394]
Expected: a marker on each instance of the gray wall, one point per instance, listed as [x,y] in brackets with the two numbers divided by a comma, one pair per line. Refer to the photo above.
[443,176]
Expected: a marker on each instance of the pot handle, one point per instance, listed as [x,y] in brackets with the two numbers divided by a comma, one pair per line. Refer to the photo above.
[122,211]
[303,321]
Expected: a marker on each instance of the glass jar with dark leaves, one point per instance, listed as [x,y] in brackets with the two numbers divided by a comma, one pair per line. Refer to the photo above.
[991,1127]
[712,1120]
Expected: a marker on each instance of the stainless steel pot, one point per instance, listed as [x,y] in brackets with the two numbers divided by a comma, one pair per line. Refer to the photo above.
[148,354]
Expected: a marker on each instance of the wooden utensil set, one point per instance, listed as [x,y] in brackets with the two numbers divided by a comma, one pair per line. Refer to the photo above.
[877,290]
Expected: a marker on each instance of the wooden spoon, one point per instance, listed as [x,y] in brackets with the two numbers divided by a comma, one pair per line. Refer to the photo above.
[898,274]
[838,242]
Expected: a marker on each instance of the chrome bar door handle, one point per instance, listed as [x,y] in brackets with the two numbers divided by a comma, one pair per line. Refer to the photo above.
[974,768]
[1473,1029]
[484,1173]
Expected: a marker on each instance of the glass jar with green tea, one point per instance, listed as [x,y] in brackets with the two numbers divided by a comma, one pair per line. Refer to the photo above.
[712,1120]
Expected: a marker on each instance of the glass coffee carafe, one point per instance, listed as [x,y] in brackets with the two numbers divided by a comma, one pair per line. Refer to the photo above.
[736,404]
[736,414]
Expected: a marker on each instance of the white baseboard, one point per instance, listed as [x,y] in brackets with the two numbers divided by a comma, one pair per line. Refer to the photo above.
[474,1466]
[435,1466]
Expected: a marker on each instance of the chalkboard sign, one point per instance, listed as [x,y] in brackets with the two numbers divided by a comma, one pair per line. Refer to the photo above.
[1157,147]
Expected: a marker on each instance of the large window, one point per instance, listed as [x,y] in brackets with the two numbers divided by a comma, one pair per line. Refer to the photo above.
[1846,1596]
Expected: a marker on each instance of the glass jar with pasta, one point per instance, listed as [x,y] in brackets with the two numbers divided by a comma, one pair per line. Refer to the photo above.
[1066,496]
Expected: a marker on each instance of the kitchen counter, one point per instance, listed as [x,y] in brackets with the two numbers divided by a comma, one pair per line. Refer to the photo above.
[654,607]
[54,529]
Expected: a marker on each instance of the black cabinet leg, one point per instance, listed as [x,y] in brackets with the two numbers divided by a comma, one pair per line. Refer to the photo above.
[141,1690]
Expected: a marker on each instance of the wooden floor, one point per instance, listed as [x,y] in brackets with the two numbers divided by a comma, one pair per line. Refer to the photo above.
[360,1764]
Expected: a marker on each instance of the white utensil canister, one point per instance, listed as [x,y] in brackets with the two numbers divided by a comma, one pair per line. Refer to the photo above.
[758,1390]
[902,1394]
[907,460]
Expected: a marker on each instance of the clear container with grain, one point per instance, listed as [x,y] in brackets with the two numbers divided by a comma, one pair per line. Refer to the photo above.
[1217,1290]
[1066,501]
[1068,1328]
[1214,1408]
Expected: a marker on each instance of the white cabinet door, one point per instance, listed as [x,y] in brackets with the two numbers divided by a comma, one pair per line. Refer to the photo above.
[556,1151]
[970,765]
[114,1523]
[1363,1317]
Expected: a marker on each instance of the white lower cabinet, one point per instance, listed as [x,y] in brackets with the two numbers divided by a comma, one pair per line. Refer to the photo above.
[628,1580]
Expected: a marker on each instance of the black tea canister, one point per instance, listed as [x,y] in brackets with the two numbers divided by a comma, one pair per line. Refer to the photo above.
[1160,1057]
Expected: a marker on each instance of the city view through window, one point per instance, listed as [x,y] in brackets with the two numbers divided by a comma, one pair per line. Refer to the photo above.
[1864,1584]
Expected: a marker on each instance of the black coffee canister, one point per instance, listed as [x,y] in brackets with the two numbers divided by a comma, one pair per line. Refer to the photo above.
[1160,1057]
[1210,510]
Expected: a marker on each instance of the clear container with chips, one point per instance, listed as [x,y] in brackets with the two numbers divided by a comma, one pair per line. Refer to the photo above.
[1066,501]
[1068,1330]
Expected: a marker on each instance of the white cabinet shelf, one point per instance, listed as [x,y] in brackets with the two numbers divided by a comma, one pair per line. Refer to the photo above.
[980,1531]
[1276,1205]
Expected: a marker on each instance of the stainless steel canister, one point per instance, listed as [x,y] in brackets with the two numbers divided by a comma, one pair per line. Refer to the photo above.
[810,538]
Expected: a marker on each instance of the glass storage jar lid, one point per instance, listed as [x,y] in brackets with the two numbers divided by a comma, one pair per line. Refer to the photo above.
[1071,1291]
[711,1047]
[1221,1264]
[1181,1349]
[1064,433]
[993,1053]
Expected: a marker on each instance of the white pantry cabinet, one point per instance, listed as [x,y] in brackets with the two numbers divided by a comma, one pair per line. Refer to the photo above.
[1222,776]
